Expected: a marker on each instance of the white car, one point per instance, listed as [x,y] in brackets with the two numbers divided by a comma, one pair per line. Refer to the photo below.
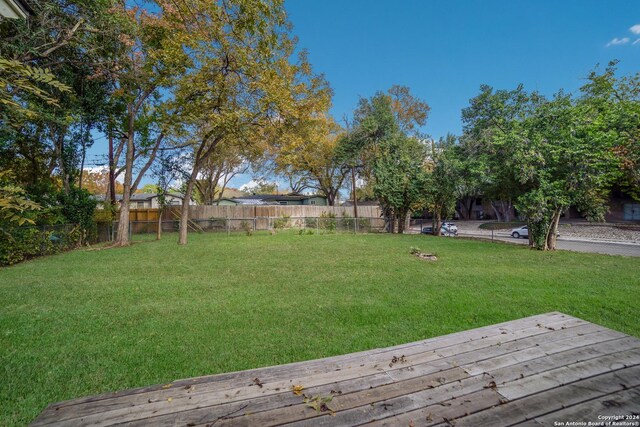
[523,232]
[520,232]
[449,227]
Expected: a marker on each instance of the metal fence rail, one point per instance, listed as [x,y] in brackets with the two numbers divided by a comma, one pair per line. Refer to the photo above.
[308,225]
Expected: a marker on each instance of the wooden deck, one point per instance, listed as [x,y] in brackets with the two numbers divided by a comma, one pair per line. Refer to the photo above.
[531,371]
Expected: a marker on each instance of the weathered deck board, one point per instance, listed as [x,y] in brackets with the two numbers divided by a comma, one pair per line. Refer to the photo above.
[499,372]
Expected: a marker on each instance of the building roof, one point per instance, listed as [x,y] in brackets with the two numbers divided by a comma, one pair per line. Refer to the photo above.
[139,197]
[269,199]
[278,197]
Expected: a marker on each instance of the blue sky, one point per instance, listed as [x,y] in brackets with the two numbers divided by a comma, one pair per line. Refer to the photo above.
[444,50]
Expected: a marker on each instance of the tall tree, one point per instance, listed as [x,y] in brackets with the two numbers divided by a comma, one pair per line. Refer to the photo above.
[246,88]
[159,42]
[313,159]
[399,178]
[442,184]
[225,162]
[552,154]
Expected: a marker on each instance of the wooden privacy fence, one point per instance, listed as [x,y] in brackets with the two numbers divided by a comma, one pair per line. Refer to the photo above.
[252,212]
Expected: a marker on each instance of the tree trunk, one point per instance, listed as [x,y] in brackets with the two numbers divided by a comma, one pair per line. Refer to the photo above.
[184,211]
[496,211]
[401,220]
[353,190]
[437,221]
[466,207]
[112,175]
[507,212]
[331,197]
[407,220]
[552,235]
[159,231]
[122,238]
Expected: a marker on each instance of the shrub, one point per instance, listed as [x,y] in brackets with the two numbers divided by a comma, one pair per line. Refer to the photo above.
[282,222]
[247,227]
[328,221]
[23,243]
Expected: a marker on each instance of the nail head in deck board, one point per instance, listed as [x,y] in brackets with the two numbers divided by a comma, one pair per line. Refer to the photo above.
[549,352]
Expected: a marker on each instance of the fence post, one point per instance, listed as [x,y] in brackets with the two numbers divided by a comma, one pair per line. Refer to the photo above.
[228,227]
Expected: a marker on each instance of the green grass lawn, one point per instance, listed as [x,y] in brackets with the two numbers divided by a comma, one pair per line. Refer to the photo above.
[87,322]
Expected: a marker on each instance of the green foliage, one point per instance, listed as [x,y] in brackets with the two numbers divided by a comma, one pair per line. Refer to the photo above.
[310,222]
[327,222]
[441,189]
[78,207]
[22,243]
[247,227]
[16,79]
[282,222]
[550,154]
[15,207]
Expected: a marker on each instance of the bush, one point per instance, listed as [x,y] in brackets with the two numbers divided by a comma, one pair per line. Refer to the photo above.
[23,243]
[78,207]
[281,223]
[328,222]
[247,227]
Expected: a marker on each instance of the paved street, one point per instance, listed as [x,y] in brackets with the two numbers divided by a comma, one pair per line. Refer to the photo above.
[578,245]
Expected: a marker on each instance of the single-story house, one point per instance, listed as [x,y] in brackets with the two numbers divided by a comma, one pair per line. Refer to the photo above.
[275,199]
[148,200]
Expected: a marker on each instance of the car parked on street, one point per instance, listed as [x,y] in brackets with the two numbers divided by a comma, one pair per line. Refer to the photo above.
[450,227]
[445,230]
[522,232]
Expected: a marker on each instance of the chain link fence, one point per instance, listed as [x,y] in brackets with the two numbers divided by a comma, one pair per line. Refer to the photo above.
[301,225]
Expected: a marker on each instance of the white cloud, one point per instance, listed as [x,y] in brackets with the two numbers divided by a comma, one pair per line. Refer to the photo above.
[636,42]
[617,41]
[635,29]
[254,183]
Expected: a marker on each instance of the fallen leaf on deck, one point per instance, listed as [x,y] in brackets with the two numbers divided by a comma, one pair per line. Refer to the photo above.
[257,382]
[297,390]
[167,385]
